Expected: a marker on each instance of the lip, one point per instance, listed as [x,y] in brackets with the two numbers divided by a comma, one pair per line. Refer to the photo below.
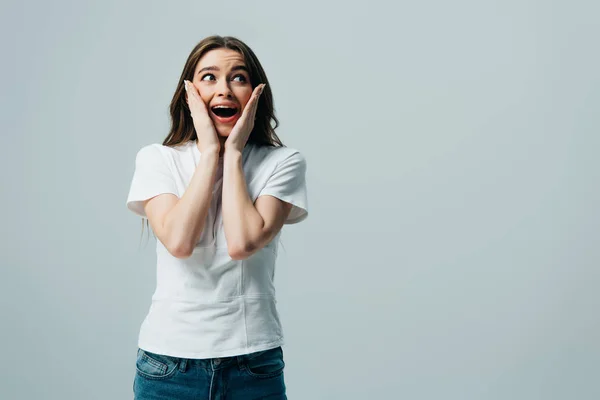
[225,104]
[224,120]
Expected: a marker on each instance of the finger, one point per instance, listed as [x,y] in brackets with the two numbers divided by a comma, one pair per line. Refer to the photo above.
[256,100]
[250,108]
[187,92]
[193,98]
[191,90]
[258,91]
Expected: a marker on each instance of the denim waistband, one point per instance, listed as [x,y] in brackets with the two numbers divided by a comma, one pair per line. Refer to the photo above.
[212,363]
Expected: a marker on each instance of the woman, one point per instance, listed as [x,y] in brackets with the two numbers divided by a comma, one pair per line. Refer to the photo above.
[216,194]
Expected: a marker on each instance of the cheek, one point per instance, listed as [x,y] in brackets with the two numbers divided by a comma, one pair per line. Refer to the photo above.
[205,94]
[245,97]
[244,100]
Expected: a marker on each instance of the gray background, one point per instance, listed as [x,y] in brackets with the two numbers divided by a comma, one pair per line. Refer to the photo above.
[452,247]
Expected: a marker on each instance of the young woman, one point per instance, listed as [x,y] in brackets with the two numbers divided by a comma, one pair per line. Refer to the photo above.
[216,193]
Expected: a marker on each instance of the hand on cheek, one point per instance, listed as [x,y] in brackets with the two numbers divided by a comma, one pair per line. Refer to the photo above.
[243,127]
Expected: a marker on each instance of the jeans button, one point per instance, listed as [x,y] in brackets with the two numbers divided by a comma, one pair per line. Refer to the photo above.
[217,361]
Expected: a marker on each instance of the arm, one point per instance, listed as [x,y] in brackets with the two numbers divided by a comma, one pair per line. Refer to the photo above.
[178,222]
[248,227]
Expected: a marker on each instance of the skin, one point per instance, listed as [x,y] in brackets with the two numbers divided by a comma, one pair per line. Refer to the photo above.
[178,222]
[218,79]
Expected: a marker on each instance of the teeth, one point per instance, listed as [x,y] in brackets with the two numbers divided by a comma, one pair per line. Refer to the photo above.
[222,107]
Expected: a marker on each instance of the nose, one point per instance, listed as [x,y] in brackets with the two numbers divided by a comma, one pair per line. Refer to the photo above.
[223,89]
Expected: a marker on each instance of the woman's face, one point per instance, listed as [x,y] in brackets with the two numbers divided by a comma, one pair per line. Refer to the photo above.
[223,81]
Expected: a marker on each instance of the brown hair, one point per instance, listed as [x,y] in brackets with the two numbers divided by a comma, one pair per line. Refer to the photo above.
[182,126]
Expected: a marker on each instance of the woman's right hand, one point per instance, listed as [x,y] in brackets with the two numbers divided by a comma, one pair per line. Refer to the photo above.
[205,129]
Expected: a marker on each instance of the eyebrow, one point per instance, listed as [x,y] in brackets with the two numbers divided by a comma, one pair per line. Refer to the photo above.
[214,68]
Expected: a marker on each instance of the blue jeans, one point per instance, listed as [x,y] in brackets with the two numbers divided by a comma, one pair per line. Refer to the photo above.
[247,377]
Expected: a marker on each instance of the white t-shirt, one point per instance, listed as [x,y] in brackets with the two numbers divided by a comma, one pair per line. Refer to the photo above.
[209,305]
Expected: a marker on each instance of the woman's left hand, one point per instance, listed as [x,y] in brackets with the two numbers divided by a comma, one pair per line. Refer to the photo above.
[243,127]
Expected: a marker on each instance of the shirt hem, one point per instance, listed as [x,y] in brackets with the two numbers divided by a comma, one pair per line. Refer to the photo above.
[211,354]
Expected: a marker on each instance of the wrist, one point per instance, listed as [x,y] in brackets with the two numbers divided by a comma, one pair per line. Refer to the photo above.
[210,154]
[209,147]
[232,157]
[232,149]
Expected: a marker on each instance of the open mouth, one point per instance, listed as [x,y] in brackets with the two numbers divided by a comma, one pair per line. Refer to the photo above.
[224,112]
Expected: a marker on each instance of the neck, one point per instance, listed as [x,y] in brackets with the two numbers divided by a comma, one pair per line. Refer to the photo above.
[222,148]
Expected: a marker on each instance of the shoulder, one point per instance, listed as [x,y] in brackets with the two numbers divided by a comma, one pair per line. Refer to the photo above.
[156,152]
[269,155]
[152,150]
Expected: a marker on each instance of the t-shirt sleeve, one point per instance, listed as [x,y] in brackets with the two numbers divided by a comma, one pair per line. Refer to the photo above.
[288,183]
[151,177]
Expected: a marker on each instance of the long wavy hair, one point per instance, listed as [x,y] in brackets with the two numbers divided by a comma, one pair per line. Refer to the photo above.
[182,126]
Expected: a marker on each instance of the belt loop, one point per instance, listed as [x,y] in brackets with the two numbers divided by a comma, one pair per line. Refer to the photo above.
[182,364]
[240,361]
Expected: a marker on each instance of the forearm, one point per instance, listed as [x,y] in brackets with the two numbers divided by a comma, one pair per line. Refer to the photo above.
[186,220]
[242,222]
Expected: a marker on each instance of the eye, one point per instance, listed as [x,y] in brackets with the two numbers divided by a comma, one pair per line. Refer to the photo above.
[239,78]
[207,76]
